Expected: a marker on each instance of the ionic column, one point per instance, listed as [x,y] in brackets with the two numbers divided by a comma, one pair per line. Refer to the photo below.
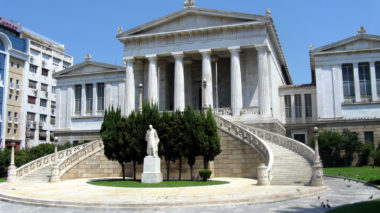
[129,86]
[236,88]
[356,83]
[373,81]
[152,80]
[207,74]
[263,77]
[179,82]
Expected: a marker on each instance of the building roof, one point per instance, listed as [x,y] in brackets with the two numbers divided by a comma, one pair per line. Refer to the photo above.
[77,69]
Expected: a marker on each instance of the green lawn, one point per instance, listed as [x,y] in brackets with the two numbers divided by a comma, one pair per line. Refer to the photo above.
[365,173]
[3,179]
[138,184]
[367,207]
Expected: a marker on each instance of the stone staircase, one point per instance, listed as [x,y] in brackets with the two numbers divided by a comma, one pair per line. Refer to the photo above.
[289,168]
[40,175]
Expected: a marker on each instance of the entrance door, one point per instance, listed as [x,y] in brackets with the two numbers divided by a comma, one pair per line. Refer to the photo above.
[300,137]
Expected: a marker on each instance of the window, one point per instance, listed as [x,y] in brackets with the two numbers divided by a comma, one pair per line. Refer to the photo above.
[16,97]
[33,68]
[368,137]
[308,106]
[364,80]
[11,83]
[53,104]
[42,135]
[44,87]
[300,137]
[18,66]
[2,46]
[66,65]
[16,117]
[53,88]
[78,98]
[45,72]
[17,84]
[10,96]
[348,81]
[288,106]
[56,61]
[32,84]
[9,116]
[88,97]
[100,96]
[12,64]
[31,100]
[30,116]
[43,102]
[43,118]
[298,106]
[15,131]
[377,68]
[52,120]
[46,57]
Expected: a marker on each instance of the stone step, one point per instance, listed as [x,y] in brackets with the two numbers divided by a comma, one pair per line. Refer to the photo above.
[40,175]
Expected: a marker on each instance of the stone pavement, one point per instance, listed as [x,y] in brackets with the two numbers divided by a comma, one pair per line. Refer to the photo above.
[338,195]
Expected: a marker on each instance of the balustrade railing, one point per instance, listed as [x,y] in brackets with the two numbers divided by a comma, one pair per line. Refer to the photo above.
[77,157]
[291,144]
[49,160]
[248,137]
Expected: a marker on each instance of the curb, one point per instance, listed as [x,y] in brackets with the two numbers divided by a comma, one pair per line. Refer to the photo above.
[351,179]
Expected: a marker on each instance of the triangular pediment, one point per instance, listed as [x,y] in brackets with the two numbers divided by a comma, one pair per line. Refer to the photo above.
[88,67]
[191,18]
[358,42]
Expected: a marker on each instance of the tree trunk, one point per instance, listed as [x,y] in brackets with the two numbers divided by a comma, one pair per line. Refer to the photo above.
[122,167]
[134,170]
[180,168]
[205,163]
[191,172]
[167,162]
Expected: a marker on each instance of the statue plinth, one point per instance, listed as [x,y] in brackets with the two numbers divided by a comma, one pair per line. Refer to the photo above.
[152,170]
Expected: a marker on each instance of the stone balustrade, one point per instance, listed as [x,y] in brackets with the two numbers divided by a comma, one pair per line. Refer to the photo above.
[289,143]
[251,139]
[49,159]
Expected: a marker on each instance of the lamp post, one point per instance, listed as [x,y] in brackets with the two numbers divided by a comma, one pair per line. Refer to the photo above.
[55,169]
[12,168]
[204,84]
[317,178]
[140,96]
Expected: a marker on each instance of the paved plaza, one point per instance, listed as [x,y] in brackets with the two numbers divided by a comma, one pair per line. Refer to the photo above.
[340,192]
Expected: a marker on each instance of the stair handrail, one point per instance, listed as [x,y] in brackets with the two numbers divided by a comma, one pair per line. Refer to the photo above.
[248,137]
[289,143]
[48,160]
[77,157]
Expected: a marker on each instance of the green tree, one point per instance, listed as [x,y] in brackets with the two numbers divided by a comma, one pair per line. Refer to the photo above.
[210,144]
[178,132]
[351,144]
[167,143]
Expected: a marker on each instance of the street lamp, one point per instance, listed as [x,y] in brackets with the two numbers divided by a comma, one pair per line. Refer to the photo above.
[317,178]
[204,84]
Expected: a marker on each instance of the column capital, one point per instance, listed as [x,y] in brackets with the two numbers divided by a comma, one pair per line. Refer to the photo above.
[128,59]
[262,47]
[205,51]
[234,49]
[151,57]
[178,54]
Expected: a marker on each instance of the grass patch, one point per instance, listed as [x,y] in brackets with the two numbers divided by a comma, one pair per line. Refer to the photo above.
[364,173]
[164,184]
[367,207]
[3,179]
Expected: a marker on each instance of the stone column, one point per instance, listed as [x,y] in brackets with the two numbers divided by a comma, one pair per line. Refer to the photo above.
[317,178]
[83,101]
[152,80]
[263,74]
[373,81]
[207,74]
[12,168]
[129,86]
[356,83]
[55,169]
[179,82]
[236,88]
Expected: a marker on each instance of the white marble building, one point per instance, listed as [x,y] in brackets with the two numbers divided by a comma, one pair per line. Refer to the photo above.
[232,62]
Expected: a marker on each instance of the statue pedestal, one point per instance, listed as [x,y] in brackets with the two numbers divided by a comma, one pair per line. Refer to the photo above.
[152,170]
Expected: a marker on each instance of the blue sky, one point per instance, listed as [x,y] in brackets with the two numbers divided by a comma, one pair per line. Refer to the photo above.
[89,26]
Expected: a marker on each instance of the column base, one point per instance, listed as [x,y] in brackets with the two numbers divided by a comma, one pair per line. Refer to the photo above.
[11,174]
[55,174]
[262,175]
[317,178]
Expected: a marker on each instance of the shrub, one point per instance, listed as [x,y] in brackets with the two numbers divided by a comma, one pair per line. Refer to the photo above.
[376,158]
[366,152]
[205,174]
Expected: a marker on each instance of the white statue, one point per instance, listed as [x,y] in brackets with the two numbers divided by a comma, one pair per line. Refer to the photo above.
[152,139]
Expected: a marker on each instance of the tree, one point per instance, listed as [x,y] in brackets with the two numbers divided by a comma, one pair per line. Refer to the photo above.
[351,144]
[210,146]
[179,132]
[167,145]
